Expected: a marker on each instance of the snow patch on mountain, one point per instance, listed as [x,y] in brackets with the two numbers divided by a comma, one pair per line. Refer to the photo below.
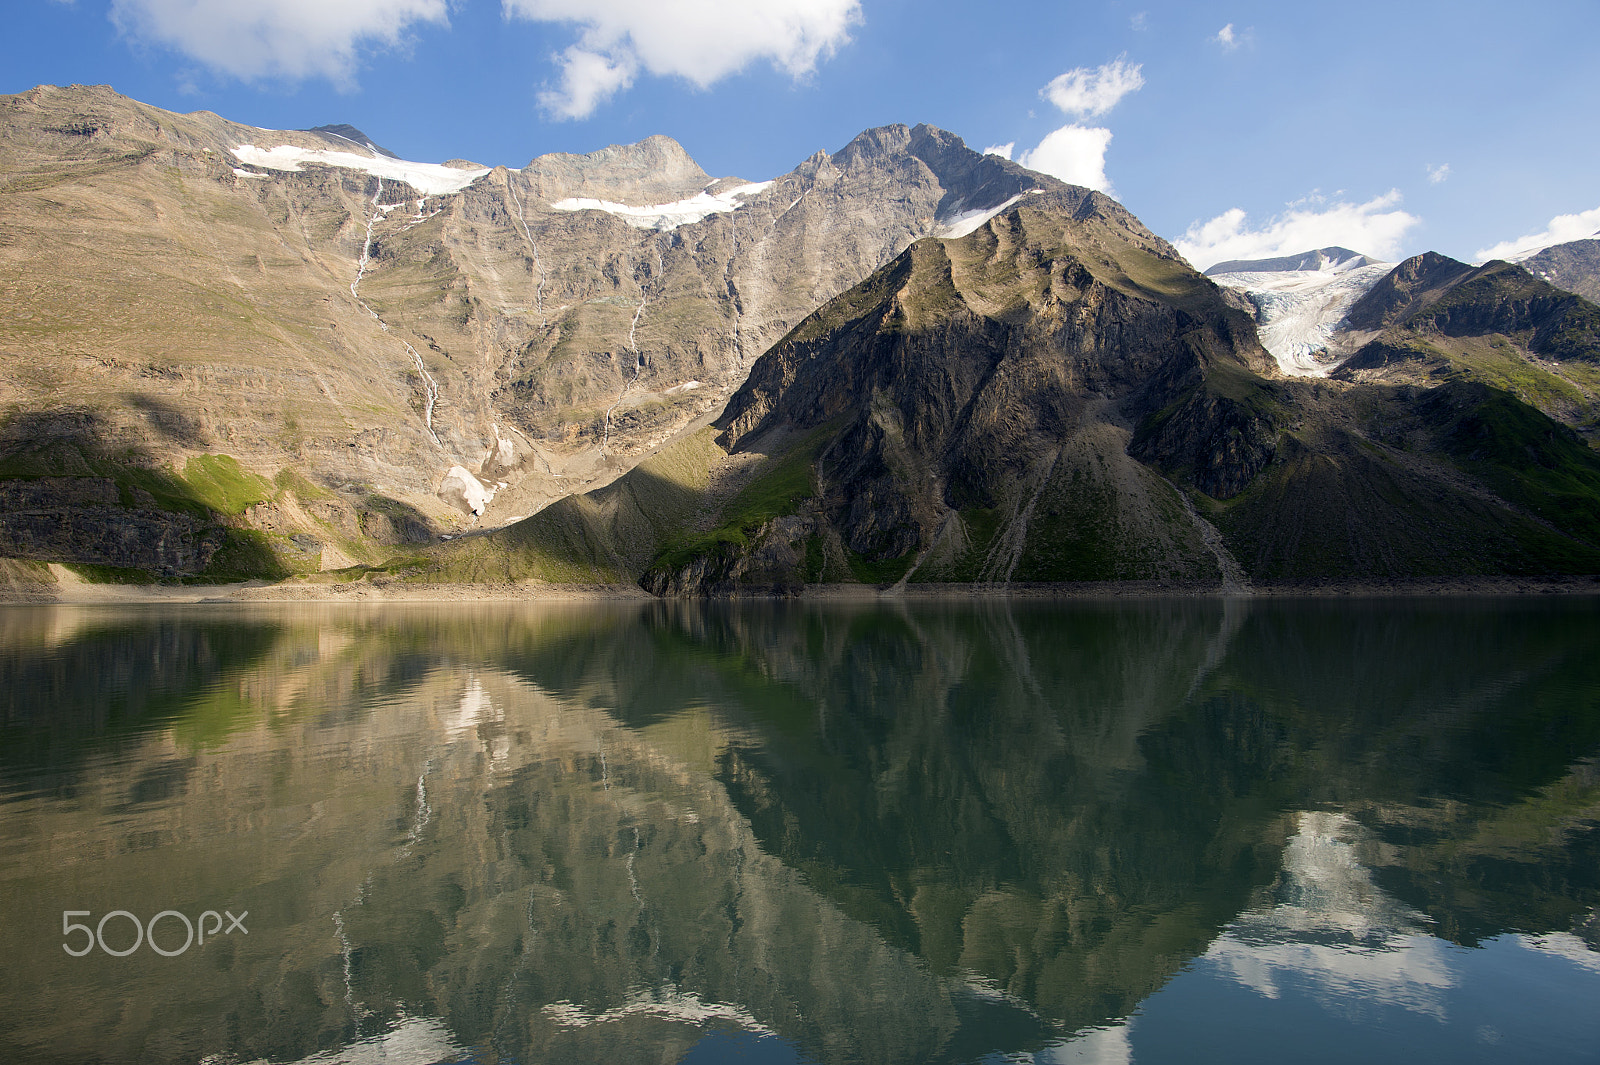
[466,491]
[1299,311]
[666,216]
[431,179]
[964,222]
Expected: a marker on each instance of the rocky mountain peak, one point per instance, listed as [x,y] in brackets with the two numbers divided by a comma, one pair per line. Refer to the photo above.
[873,145]
[345,132]
[1416,282]
[654,170]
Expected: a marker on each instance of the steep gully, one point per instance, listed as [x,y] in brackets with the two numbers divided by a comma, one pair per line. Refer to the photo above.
[431,386]
[522,220]
[633,346]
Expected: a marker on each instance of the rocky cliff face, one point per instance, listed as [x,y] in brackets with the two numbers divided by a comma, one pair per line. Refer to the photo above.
[319,311]
[1574,266]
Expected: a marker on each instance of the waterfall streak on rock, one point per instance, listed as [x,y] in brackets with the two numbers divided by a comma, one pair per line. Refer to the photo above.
[538,292]
[430,386]
[638,365]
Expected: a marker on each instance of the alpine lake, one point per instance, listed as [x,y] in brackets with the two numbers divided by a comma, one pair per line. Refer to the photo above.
[1185,830]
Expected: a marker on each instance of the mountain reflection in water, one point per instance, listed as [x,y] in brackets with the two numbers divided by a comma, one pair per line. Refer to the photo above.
[1165,830]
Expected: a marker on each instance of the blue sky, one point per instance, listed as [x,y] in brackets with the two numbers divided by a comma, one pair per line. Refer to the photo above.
[1237,128]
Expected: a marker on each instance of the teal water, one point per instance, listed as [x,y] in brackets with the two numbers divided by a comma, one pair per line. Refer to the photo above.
[1164,831]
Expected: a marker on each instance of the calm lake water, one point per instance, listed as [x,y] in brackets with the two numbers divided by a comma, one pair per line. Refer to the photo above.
[1133,832]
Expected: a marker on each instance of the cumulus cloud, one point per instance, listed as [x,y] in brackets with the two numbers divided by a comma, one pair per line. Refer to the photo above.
[1373,228]
[292,39]
[588,79]
[1088,93]
[1075,154]
[1002,150]
[701,41]
[1227,38]
[1562,228]
[1437,174]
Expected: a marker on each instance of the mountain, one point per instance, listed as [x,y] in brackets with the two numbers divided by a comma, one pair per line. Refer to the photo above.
[345,131]
[1299,302]
[1057,397]
[239,351]
[1434,319]
[234,352]
[1574,266]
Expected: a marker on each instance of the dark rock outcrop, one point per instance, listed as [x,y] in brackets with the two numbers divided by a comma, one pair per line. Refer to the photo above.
[84,519]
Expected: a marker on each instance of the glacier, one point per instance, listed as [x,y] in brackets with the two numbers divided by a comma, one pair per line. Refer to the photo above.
[1299,312]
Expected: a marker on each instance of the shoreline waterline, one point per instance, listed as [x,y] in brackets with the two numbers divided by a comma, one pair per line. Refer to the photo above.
[398,591]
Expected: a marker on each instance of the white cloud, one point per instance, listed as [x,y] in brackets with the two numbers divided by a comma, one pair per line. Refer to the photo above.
[1002,150]
[1227,38]
[1562,228]
[701,41]
[1373,228]
[1087,93]
[1437,174]
[1140,22]
[588,79]
[1075,154]
[276,38]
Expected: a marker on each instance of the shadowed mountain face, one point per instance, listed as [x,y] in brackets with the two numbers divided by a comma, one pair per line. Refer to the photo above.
[350,327]
[969,412]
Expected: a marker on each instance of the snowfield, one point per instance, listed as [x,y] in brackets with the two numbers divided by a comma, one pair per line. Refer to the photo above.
[430,179]
[666,216]
[1298,312]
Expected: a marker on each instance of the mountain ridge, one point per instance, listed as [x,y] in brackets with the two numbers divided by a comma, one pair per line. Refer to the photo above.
[371,340]
[901,362]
